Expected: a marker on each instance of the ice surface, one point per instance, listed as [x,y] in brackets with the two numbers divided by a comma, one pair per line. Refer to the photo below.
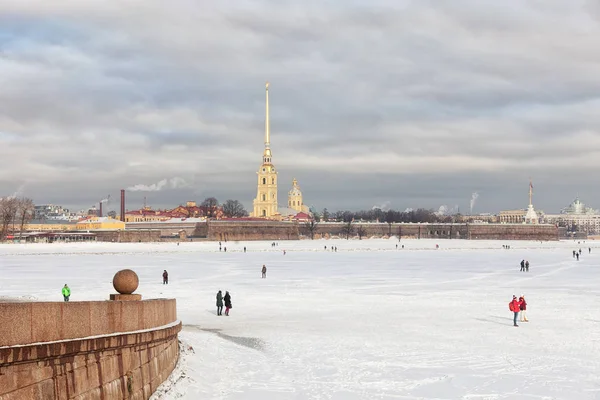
[367,322]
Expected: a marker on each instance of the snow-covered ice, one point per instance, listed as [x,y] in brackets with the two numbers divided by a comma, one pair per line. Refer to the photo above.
[367,322]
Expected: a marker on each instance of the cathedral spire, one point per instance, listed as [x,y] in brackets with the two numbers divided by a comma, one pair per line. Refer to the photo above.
[267,133]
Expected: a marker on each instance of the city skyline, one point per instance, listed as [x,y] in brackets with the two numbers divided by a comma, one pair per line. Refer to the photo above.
[393,103]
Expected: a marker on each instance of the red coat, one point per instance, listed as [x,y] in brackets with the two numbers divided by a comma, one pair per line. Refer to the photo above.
[523,304]
[516,305]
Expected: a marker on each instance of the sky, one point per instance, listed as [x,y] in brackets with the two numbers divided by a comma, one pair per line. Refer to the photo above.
[381,102]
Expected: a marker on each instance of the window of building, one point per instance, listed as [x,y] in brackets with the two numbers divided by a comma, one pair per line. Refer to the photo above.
[273,181]
[264,181]
[264,213]
[264,197]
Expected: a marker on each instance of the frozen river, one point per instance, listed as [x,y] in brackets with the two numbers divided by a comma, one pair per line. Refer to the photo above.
[366,322]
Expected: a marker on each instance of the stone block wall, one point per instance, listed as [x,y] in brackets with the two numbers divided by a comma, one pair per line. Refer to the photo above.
[444,231]
[252,230]
[86,350]
[131,236]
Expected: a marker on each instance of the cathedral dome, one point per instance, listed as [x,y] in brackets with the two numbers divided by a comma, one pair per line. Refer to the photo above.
[295,189]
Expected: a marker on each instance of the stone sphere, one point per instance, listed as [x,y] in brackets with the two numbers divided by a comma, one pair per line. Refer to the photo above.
[126,281]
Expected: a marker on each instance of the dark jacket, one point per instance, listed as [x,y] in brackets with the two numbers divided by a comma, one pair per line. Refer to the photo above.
[219,300]
[227,299]
[165,275]
[523,306]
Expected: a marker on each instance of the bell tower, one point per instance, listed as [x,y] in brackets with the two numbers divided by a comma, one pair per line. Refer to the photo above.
[265,203]
[295,197]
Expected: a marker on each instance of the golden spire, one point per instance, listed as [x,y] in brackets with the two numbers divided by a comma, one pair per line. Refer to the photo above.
[267,133]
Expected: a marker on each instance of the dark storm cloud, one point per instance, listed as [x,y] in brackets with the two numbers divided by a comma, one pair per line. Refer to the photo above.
[415,103]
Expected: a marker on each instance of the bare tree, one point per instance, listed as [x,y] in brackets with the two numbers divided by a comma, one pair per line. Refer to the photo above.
[325,214]
[211,204]
[234,209]
[315,214]
[8,211]
[26,209]
[361,231]
[347,229]
[390,218]
[310,227]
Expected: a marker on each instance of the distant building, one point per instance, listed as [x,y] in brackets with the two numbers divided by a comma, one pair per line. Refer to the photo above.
[265,204]
[526,216]
[512,217]
[52,212]
[50,225]
[99,223]
[190,210]
[576,217]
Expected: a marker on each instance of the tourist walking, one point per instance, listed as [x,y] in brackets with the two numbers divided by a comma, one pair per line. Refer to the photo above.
[515,307]
[228,305]
[264,271]
[66,292]
[523,308]
[590,250]
[165,277]
[522,265]
[219,303]
[527,266]
[577,255]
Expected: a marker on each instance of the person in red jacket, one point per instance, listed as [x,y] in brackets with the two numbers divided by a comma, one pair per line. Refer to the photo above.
[523,308]
[515,308]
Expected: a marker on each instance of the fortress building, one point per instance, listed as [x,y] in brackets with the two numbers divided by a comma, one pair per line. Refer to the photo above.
[265,204]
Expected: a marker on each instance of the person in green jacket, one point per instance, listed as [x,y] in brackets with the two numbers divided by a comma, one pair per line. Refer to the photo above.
[66,292]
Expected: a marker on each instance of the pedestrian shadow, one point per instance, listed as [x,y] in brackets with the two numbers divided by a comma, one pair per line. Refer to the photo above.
[249,342]
[592,320]
[491,321]
[502,318]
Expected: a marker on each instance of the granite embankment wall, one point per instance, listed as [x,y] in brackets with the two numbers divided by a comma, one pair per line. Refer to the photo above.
[86,350]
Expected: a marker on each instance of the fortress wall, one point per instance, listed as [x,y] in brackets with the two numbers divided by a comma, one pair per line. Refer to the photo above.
[252,230]
[129,236]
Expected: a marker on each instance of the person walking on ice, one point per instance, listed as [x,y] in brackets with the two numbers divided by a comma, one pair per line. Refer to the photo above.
[264,271]
[523,308]
[522,265]
[228,305]
[515,307]
[219,303]
[165,277]
[526,266]
[66,292]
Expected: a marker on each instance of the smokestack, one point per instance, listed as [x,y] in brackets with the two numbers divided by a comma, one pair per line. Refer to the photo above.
[123,205]
[100,211]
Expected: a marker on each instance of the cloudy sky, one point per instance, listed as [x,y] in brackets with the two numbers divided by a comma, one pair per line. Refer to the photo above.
[406,103]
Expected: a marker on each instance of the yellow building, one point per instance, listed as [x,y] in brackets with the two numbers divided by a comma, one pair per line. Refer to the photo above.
[49,226]
[512,216]
[295,198]
[265,203]
[100,223]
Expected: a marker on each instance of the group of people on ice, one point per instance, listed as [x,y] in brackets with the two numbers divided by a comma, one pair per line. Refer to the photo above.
[576,253]
[223,299]
[524,266]
[518,307]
